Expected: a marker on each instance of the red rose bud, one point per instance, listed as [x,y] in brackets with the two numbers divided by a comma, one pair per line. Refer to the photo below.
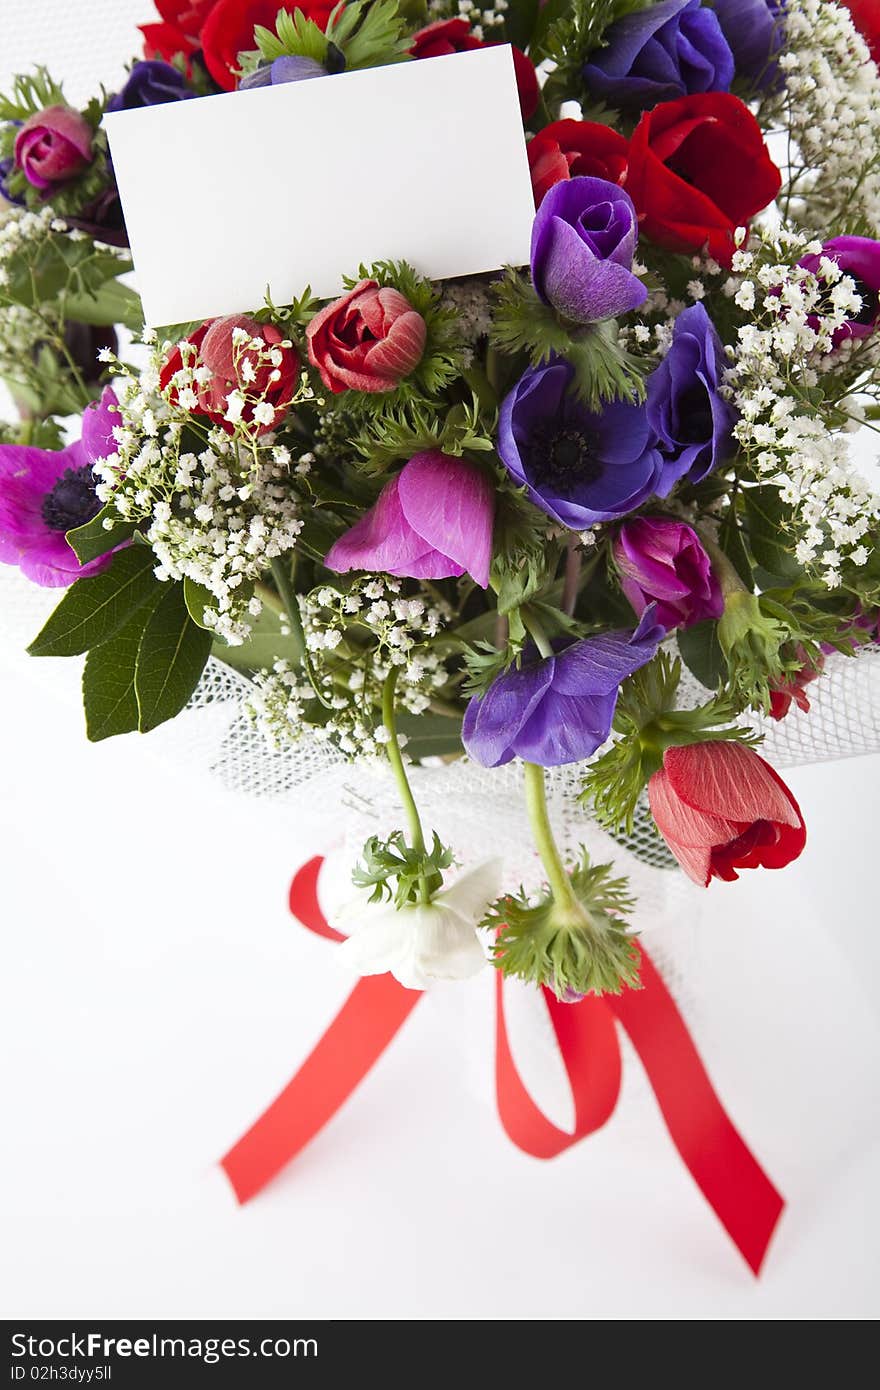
[265,377]
[720,808]
[53,146]
[573,149]
[698,169]
[368,340]
[454,36]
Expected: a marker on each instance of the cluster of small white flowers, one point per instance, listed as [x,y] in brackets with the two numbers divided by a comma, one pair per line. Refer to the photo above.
[470,300]
[482,21]
[831,106]
[275,703]
[350,677]
[217,517]
[780,358]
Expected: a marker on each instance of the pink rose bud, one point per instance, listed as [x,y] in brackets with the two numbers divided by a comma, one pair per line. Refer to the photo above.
[368,340]
[663,562]
[53,146]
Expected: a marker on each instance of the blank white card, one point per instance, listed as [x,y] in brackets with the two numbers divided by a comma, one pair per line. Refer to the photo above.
[283,187]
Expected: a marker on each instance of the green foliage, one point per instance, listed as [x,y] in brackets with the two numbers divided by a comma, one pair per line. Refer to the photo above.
[364,33]
[39,434]
[394,871]
[523,557]
[93,540]
[771,531]
[95,608]
[588,952]
[170,659]
[30,93]
[647,723]
[411,427]
[701,653]
[603,369]
[108,687]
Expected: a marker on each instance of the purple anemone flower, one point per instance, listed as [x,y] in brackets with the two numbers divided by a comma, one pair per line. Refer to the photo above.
[150,83]
[583,239]
[557,709]
[288,68]
[663,561]
[579,467]
[755,32]
[44,493]
[669,50]
[859,258]
[692,422]
[433,521]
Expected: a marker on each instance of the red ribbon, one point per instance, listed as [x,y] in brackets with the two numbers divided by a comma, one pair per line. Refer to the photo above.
[730,1178]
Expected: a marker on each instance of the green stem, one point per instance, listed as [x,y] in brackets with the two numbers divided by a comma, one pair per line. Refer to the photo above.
[572,578]
[398,767]
[536,631]
[725,571]
[281,573]
[545,843]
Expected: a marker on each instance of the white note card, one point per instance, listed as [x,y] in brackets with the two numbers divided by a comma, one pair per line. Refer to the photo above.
[299,184]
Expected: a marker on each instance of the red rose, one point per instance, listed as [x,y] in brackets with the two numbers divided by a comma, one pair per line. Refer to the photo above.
[698,169]
[570,149]
[180,30]
[865,15]
[720,808]
[266,377]
[229,30]
[366,341]
[454,36]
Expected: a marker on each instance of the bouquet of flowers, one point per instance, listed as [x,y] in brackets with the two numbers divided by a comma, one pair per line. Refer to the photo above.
[597,513]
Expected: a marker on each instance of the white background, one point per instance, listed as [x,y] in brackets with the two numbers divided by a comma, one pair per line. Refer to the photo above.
[156,995]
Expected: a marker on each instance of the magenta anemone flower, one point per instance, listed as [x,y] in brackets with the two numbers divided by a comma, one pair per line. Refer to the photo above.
[45,493]
[433,521]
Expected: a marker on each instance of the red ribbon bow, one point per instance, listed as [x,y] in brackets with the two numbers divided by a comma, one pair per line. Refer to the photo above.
[730,1178]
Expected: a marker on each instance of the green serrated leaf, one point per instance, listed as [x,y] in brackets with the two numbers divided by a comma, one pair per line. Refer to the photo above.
[171,657]
[109,697]
[94,609]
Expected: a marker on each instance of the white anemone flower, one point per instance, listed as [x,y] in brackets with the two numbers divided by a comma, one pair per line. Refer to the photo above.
[421,942]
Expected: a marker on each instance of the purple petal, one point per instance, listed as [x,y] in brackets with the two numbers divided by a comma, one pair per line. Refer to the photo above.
[491,723]
[450,504]
[98,423]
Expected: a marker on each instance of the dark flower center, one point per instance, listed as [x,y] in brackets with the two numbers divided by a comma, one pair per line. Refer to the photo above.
[870,301]
[72,501]
[694,416]
[561,459]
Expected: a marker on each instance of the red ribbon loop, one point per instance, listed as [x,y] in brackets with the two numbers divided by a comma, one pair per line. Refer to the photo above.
[728,1175]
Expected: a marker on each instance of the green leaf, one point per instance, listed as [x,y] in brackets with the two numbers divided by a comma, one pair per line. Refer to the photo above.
[769,537]
[520,20]
[171,658]
[92,540]
[197,598]
[731,541]
[112,303]
[430,735]
[701,653]
[94,609]
[108,680]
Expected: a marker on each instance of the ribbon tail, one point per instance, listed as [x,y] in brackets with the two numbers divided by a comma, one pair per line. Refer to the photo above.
[726,1172]
[369,1019]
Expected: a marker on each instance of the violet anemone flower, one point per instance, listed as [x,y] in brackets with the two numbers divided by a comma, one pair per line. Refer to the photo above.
[692,422]
[755,31]
[669,50]
[859,258]
[579,467]
[583,239]
[663,561]
[433,521]
[44,493]
[150,83]
[557,709]
[288,68]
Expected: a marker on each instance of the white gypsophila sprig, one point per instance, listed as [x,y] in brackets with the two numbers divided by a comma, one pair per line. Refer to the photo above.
[276,704]
[830,108]
[393,630]
[792,433]
[216,514]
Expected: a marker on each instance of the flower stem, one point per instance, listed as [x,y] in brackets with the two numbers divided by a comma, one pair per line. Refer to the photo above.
[281,573]
[572,575]
[536,631]
[725,571]
[545,843]
[398,767]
